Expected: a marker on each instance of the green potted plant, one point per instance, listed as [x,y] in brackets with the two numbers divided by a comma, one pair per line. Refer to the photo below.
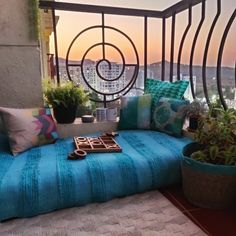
[64,100]
[209,164]
[215,107]
[194,111]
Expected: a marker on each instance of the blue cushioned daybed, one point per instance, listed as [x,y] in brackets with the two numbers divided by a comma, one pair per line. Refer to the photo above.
[41,179]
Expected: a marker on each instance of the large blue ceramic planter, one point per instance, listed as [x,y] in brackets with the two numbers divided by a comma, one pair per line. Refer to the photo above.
[207,185]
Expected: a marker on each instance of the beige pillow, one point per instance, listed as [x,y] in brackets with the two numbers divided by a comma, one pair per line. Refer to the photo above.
[27,128]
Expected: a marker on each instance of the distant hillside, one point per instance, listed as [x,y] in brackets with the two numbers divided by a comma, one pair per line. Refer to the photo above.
[62,62]
[227,72]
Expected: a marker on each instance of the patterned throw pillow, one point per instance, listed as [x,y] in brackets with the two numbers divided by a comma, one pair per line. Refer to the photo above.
[168,115]
[27,128]
[160,89]
[135,112]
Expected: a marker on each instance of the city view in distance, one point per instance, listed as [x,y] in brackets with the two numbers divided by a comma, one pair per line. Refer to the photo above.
[90,41]
[153,72]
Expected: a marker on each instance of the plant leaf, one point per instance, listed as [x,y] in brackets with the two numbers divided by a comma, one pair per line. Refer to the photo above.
[213,151]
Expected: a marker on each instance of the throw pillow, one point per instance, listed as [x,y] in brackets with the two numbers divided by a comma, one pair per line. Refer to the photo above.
[135,112]
[27,128]
[168,115]
[166,89]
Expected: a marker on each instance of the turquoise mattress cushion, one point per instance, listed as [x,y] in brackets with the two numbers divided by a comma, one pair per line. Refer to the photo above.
[42,179]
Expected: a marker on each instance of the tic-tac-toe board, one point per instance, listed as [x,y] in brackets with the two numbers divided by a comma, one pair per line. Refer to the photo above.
[97,144]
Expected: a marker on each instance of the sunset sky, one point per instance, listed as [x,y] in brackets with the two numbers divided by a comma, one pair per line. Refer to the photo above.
[71,23]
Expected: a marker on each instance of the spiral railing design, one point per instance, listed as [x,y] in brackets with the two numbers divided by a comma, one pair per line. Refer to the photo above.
[165,73]
[107,96]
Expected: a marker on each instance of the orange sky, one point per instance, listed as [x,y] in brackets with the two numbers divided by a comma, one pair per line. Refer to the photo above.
[71,23]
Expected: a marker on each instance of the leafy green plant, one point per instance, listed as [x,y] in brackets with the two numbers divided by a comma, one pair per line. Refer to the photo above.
[217,135]
[66,94]
[214,107]
[195,108]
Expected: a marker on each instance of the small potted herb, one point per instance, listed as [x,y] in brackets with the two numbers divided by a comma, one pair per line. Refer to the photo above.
[194,112]
[215,107]
[64,100]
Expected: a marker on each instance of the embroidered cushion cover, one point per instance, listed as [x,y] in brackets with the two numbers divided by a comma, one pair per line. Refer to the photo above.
[27,128]
[168,115]
[135,112]
[166,89]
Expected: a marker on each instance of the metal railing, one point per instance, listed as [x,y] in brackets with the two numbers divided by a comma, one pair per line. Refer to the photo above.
[171,13]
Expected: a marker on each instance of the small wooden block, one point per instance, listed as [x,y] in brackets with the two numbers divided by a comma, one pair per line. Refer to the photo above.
[78,154]
[81,154]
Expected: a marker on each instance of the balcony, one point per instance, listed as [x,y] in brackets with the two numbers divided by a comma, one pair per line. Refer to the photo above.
[186,41]
[212,77]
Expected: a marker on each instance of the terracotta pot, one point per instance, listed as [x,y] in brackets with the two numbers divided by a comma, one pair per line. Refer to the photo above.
[65,115]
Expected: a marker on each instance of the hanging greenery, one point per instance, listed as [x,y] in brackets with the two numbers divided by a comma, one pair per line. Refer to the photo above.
[33,13]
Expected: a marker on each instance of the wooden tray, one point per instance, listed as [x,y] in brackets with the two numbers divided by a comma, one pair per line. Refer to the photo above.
[97,144]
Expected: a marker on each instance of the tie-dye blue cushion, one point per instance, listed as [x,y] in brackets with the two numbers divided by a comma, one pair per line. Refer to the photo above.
[135,112]
[168,115]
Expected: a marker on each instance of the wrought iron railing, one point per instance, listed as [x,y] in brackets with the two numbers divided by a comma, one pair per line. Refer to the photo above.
[171,12]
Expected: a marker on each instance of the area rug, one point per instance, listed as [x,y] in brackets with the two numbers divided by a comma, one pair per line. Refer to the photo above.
[145,214]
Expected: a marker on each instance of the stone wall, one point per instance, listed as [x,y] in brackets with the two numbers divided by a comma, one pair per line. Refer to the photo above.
[20,78]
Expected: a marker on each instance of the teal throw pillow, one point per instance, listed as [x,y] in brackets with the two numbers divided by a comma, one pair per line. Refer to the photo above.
[166,89]
[135,112]
[168,116]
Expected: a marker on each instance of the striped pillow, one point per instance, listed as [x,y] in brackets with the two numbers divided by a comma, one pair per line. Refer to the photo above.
[135,112]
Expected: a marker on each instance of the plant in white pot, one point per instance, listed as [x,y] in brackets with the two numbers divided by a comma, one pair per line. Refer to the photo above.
[209,164]
[64,100]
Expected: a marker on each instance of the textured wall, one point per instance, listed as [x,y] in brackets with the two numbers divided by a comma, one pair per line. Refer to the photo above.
[78,128]
[20,79]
